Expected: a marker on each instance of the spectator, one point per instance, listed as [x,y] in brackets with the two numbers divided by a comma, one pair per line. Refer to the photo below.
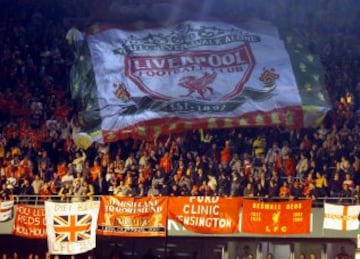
[46,192]
[68,177]
[289,165]
[235,185]
[212,183]
[310,192]
[296,190]
[271,155]
[249,191]
[335,185]
[153,191]
[166,163]
[26,189]
[185,183]
[122,190]
[5,193]
[11,181]
[66,192]
[284,191]
[37,184]
[260,191]
[36,146]
[224,185]
[345,194]
[349,182]
[225,154]
[204,189]
[302,167]
[259,146]
[87,191]
[95,171]
[78,162]
[235,163]
[321,185]
[356,194]
[77,191]
[273,189]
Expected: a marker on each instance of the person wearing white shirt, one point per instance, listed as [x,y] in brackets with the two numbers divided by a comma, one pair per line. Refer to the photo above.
[68,178]
[79,161]
[11,181]
[37,184]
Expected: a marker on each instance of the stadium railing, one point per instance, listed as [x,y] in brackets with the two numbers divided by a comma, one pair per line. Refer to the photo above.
[38,200]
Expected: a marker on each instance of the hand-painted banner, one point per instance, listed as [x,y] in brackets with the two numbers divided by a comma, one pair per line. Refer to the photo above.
[276,218]
[71,227]
[132,217]
[6,210]
[207,215]
[30,222]
[341,217]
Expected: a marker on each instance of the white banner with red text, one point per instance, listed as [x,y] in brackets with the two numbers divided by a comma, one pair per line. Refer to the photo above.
[71,227]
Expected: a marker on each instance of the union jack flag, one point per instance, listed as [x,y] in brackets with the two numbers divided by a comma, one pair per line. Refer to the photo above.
[72,228]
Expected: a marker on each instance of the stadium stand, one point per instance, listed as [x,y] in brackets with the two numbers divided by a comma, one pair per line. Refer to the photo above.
[39,159]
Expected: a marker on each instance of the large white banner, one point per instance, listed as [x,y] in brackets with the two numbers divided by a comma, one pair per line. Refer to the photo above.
[6,210]
[195,74]
[142,81]
[341,217]
[71,227]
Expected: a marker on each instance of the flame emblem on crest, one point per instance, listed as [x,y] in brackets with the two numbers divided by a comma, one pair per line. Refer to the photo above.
[121,92]
[268,77]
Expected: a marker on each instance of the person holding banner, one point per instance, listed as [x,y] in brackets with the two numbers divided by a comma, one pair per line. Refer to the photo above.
[77,191]
[87,191]
[66,192]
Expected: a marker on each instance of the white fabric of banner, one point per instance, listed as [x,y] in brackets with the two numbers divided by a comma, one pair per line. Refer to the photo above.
[71,227]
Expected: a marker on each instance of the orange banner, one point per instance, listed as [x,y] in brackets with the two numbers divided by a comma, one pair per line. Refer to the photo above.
[207,215]
[29,222]
[276,218]
[132,217]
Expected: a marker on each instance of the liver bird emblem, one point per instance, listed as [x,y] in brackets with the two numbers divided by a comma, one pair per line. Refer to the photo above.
[276,218]
[200,85]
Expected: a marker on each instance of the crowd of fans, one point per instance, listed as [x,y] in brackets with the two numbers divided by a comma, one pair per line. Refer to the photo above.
[39,160]
[38,156]
[266,163]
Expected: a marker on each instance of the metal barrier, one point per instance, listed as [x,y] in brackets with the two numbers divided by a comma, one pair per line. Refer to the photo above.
[39,200]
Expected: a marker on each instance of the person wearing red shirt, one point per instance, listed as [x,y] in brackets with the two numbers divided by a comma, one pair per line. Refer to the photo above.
[225,154]
[284,191]
[289,165]
[166,163]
